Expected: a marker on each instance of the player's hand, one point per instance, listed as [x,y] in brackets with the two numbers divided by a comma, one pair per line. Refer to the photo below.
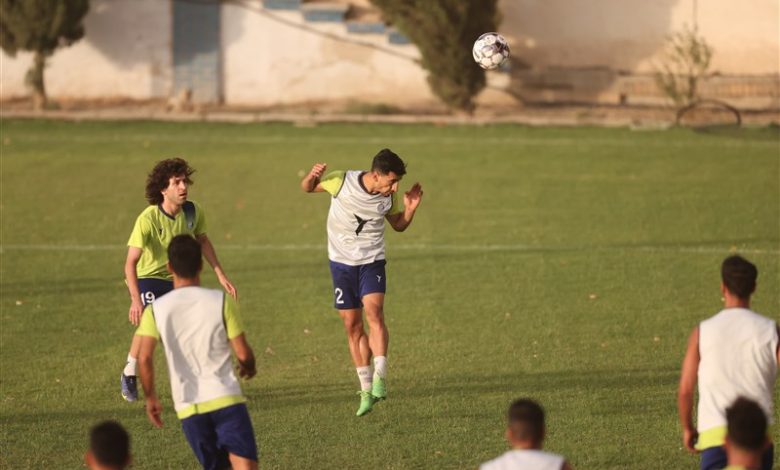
[246,371]
[690,436]
[154,411]
[413,197]
[136,309]
[228,286]
[318,170]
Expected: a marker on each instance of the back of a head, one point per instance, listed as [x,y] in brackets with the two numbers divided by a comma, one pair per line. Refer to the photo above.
[386,161]
[747,425]
[110,444]
[739,276]
[525,420]
[184,255]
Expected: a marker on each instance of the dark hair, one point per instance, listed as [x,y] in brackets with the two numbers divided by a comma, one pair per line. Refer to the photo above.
[386,161]
[184,254]
[525,419]
[110,444]
[161,174]
[739,275]
[746,424]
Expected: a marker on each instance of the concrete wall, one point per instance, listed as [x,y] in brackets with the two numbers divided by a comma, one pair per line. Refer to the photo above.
[563,50]
[126,53]
[629,35]
[269,62]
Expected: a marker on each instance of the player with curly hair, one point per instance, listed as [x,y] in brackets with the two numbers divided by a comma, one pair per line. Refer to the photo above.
[170,213]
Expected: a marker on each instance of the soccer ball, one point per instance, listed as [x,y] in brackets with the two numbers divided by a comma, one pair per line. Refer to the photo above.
[490,51]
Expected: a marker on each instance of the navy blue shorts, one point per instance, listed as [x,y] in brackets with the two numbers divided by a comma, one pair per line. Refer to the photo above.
[351,283]
[714,458]
[152,288]
[213,435]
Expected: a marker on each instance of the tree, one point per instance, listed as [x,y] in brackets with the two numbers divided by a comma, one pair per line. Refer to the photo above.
[687,61]
[40,26]
[444,31]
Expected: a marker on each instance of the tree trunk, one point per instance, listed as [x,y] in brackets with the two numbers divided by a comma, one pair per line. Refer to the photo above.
[35,81]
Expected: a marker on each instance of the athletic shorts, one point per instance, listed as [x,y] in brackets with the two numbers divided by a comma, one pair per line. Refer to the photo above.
[213,435]
[152,288]
[351,283]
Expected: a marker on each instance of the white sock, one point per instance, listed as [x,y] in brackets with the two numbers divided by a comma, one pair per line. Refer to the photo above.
[130,366]
[364,374]
[380,366]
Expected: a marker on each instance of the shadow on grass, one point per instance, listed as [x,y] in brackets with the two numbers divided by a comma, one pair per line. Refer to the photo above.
[768,133]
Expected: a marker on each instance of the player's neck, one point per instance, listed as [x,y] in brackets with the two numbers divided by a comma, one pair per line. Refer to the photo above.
[745,459]
[526,445]
[185,282]
[732,301]
[170,207]
[368,182]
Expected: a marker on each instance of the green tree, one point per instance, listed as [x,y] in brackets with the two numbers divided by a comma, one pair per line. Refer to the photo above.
[40,26]
[444,31]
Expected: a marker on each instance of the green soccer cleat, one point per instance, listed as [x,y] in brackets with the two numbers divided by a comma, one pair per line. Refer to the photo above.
[379,388]
[366,403]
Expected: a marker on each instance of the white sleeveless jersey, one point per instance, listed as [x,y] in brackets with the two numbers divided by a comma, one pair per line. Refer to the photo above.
[356,220]
[193,335]
[525,460]
[738,357]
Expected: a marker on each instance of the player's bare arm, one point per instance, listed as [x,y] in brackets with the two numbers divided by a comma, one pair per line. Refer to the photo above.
[412,199]
[311,182]
[146,373]
[688,379]
[245,356]
[131,275]
[211,256]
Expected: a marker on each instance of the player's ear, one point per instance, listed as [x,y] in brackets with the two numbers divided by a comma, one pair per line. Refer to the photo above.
[89,460]
[168,267]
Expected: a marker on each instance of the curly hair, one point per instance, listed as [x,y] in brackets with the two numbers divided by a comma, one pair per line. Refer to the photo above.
[161,174]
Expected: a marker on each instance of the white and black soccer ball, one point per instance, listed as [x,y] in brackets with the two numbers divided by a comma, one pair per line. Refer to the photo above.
[490,51]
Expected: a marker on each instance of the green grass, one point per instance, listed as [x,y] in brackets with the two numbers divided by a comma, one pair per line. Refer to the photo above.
[568,265]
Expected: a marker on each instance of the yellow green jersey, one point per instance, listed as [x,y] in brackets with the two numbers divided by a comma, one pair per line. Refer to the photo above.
[153,231]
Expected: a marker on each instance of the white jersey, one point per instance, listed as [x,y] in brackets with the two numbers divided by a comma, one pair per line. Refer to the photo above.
[527,459]
[356,225]
[738,357]
[193,329]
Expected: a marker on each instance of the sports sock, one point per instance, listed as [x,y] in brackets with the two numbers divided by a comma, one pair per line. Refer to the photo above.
[130,366]
[364,374]
[380,366]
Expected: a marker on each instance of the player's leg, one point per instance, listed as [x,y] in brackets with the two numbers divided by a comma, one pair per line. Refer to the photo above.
[236,436]
[202,437]
[373,284]
[346,299]
[150,289]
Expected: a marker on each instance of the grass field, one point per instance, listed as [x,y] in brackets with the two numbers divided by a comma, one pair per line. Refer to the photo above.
[568,265]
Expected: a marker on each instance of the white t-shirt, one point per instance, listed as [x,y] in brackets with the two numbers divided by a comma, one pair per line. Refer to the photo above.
[356,225]
[527,459]
[738,357]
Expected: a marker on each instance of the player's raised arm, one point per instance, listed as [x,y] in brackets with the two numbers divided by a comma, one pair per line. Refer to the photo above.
[402,220]
[311,182]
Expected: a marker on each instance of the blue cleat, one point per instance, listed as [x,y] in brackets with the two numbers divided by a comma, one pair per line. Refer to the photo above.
[129,387]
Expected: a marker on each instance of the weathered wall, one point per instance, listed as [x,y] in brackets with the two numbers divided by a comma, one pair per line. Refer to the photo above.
[126,52]
[268,62]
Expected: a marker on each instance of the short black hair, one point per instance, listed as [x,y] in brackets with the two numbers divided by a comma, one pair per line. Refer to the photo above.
[185,256]
[746,424]
[386,161]
[110,444]
[739,276]
[525,420]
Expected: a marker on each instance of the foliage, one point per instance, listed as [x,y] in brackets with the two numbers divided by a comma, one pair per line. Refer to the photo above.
[687,61]
[40,26]
[444,31]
